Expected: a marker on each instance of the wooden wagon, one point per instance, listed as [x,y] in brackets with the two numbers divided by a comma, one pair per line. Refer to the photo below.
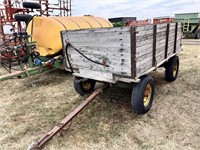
[123,55]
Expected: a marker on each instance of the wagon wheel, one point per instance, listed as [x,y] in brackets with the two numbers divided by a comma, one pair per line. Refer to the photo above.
[172,68]
[31,5]
[197,34]
[84,86]
[142,95]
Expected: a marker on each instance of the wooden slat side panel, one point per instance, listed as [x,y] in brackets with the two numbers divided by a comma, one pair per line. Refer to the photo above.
[144,48]
[160,49]
[179,38]
[144,45]
[171,39]
[111,46]
[115,47]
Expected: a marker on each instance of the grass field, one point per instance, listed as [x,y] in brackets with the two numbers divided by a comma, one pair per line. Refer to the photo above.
[173,122]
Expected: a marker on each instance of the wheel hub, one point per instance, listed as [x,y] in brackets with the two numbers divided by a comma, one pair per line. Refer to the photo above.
[147,95]
[86,85]
[175,70]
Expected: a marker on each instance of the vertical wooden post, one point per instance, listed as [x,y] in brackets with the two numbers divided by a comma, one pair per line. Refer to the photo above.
[133,51]
[175,40]
[154,45]
[167,40]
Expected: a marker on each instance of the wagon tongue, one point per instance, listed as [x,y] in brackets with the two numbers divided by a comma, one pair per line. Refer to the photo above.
[59,127]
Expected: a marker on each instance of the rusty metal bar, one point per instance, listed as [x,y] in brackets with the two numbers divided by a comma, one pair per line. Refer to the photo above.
[67,119]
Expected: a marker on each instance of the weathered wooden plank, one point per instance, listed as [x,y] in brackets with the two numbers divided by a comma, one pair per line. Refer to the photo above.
[144,42]
[86,63]
[171,49]
[144,61]
[179,49]
[145,51]
[97,30]
[99,54]
[148,46]
[171,32]
[115,65]
[100,45]
[142,57]
[163,29]
[150,36]
[161,43]
[145,66]
[160,50]
[142,33]
[144,28]
[144,37]
[140,51]
[163,33]
[102,35]
[105,38]
[104,49]
[141,69]
[160,54]
[160,59]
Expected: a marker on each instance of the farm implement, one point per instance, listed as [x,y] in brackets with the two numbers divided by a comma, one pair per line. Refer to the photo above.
[191,24]
[16,49]
[46,52]
[19,58]
[133,53]
[94,51]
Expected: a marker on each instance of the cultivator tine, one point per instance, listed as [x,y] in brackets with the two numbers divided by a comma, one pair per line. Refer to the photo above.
[59,127]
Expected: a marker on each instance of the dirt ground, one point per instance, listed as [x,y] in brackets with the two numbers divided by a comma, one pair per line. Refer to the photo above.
[173,122]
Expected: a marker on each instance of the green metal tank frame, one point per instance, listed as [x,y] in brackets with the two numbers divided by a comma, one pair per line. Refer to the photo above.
[46,64]
[191,24]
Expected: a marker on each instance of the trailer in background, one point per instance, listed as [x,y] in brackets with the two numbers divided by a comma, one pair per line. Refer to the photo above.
[164,19]
[191,24]
[123,55]
[128,21]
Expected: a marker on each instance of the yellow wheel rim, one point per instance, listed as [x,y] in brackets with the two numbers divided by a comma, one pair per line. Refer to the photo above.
[86,85]
[175,70]
[147,95]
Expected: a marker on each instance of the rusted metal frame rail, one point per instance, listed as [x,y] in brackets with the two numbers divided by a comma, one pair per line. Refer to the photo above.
[57,128]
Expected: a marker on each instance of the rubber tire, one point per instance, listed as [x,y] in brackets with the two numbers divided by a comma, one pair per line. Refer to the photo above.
[197,34]
[79,88]
[169,69]
[23,17]
[31,5]
[138,95]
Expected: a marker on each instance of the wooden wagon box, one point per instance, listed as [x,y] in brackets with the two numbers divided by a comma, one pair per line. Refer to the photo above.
[123,53]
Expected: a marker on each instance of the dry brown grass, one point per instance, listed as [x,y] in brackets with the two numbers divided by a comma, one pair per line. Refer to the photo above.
[26,113]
